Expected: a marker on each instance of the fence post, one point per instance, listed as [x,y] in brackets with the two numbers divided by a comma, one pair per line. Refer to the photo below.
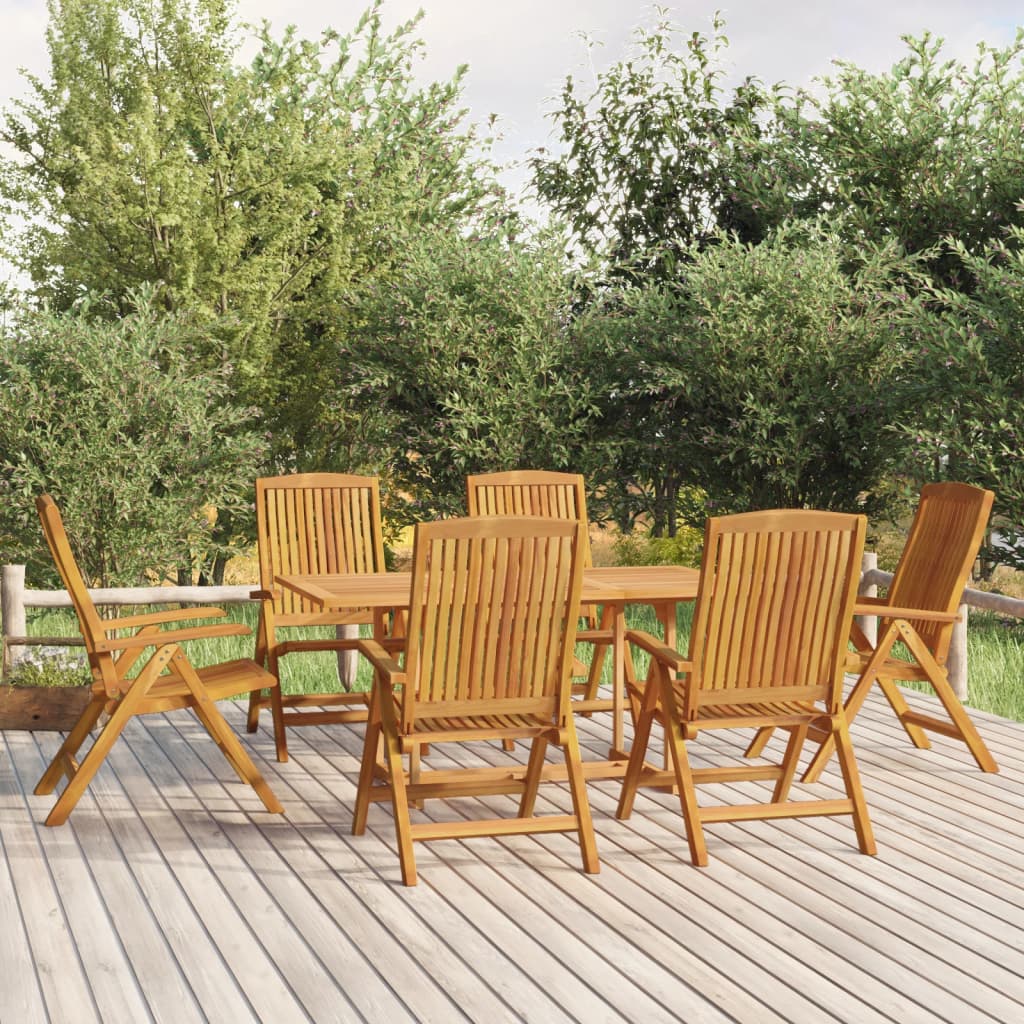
[868,623]
[348,661]
[12,608]
[956,663]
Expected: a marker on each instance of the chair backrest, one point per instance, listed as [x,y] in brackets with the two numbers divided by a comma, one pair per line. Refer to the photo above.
[89,621]
[316,523]
[775,607]
[530,492]
[492,619]
[945,536]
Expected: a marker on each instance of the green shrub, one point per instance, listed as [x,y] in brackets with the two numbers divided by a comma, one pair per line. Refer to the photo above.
[47,667]
[134,442]
[768,376]
[643,549]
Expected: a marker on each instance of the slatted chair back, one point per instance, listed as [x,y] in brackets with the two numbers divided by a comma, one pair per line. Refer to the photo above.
[60,547]
[774,608]
[89,621]
[492,617]
[530,492]
[940,552]
[316,523]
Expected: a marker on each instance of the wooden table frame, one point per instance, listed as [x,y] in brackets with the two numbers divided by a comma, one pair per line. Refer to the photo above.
[613,587]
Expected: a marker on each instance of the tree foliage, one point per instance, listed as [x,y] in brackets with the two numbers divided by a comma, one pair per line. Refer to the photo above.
[469,349]
[139,449]
[968,386]
[257,198]
[644,163]
[768,379]
[929,154]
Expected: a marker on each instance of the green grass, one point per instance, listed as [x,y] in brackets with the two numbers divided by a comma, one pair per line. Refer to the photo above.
[995,655]
[995,664]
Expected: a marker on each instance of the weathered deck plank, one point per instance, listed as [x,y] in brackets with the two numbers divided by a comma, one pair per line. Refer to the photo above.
[172,895]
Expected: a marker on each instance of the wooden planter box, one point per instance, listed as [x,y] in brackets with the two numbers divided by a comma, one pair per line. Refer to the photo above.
[42,707]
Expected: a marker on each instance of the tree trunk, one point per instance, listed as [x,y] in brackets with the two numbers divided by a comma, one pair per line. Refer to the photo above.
[216,577]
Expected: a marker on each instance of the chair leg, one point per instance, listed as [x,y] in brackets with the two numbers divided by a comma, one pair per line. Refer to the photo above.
[854,702]
[789,763]
[125,709]
[900,708]
[252,718]
[598,657]
[851,779]
[416,754]
[580,803]
[759,742]
[256,698]
[687,791]
[277,711]
[223,735]
[399,793]
[534,769]
[940,684]
[635,767]
[70,746]
[368,765]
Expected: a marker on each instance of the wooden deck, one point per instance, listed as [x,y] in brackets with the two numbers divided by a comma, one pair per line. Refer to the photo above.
[172,896]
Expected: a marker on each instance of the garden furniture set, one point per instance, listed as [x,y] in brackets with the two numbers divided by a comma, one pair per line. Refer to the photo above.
[478,642]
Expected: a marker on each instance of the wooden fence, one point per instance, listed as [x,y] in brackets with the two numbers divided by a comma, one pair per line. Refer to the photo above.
[14,599]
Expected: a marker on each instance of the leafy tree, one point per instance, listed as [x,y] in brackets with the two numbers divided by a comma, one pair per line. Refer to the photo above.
[262,200]
[255,197]
[928,155]
[646,161]
[770,378]
[139,448]
[967,387]
[468,352]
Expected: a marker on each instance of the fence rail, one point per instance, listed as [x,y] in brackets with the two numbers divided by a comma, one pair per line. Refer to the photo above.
[14,599]
[872,578]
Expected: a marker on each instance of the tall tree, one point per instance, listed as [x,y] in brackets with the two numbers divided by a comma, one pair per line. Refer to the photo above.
[261,199]
[645,160]
[929,154]
[258,198]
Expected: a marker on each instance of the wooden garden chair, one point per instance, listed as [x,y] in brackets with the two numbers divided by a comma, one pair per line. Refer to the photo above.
[492,622]
[532,492]
[767,648]
[166,681]
[312,523]
[918,613]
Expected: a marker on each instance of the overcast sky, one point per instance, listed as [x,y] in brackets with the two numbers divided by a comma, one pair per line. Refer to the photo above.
[519,51]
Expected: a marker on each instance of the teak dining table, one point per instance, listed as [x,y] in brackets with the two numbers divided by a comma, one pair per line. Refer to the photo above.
[612,587]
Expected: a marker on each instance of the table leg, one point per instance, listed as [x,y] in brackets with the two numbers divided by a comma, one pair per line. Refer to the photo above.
[618,614]
[666,614]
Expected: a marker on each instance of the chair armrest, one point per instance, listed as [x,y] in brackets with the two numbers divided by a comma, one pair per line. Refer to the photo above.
[595,636]
[264,595]
[891,611]
[377,656]
[658,649]
[154,618]
[158,638]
